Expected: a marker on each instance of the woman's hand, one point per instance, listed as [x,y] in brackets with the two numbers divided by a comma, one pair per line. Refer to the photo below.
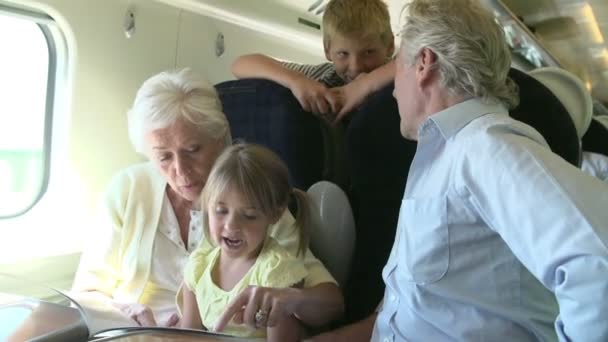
[144,316]
[260,307]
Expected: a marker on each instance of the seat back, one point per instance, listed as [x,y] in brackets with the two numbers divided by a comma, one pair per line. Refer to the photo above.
[266,113]
[378,159]
[596,138]
[333,233]
[572,94]
[541,109]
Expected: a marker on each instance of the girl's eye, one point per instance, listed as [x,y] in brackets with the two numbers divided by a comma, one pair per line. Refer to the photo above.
[220,210]
[342,54]
[370,51]
[250,214]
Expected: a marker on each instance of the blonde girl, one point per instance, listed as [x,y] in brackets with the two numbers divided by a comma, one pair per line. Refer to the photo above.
[247,191]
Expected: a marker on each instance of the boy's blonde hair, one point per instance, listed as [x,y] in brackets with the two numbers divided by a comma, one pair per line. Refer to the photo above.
[357,19]
[263,179]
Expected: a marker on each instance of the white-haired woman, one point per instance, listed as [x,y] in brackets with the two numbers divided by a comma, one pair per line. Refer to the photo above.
[150,222]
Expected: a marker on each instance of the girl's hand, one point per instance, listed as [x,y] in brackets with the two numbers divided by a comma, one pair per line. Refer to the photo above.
[260,307]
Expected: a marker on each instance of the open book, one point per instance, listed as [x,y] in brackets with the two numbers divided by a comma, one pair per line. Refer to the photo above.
[99,312]
[77,316]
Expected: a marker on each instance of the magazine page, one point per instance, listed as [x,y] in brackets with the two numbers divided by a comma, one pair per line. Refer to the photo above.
[99,311]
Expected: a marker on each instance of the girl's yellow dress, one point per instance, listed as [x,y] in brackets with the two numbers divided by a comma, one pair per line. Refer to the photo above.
[274,267]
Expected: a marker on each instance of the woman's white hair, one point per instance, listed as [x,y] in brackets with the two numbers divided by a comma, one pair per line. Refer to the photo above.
[472,54]
[171,95]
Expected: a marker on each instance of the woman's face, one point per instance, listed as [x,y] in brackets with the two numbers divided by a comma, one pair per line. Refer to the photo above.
[184,156]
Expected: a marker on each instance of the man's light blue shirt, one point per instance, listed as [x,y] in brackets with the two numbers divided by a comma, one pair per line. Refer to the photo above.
[493,228]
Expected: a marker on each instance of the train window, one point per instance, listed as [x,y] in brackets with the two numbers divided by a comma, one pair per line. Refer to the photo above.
[27,66]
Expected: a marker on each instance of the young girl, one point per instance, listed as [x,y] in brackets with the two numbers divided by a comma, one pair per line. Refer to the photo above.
[247,191]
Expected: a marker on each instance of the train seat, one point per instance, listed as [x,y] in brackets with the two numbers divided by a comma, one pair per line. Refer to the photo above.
[333,236]
[541,109]
[378,159]
[575,97]
[263,112]
[571,92]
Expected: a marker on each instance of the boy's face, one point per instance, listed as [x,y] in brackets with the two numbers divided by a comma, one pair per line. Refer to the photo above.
[352,56]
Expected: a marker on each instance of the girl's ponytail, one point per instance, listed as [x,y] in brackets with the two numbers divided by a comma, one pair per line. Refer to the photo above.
[303,219]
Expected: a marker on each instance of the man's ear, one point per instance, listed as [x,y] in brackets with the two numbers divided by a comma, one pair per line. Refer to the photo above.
[425,66]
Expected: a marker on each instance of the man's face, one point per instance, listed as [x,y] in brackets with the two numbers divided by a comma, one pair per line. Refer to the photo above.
[406,93]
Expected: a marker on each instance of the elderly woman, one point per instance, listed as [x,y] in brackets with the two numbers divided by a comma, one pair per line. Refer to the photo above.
[150,221]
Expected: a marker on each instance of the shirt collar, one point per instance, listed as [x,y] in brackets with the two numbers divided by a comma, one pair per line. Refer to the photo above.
[452,119]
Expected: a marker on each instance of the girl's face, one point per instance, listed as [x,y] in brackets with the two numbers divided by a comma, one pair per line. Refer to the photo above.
[237,226]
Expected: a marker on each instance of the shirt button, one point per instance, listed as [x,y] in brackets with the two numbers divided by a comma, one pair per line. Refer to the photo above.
[386,339]
[392,298]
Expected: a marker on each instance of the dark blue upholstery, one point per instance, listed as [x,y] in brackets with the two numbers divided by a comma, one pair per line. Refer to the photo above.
[540,109]
[378,159]
[596,138]
[263,112]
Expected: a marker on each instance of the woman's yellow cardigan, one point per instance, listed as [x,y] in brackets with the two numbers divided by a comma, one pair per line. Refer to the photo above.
[118,257]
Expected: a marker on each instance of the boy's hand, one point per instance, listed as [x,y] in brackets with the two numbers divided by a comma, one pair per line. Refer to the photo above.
[351,95]
[314,96]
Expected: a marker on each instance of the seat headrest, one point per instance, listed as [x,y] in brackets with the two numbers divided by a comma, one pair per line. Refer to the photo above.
[571,92]
[540,108]
[264,112]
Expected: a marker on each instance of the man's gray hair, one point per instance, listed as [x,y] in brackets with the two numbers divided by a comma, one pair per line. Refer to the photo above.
[473,58]
[171,95]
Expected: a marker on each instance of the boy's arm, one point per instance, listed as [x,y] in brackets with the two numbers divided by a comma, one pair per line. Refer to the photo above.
[354,93]
[191,317]
[261,66]
[312,95]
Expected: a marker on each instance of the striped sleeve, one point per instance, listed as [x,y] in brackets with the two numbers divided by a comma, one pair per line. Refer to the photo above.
[324,73]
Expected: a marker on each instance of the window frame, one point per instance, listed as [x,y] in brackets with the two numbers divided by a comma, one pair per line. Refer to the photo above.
[46,24]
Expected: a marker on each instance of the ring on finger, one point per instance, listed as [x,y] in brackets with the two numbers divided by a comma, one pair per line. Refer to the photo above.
[260,317]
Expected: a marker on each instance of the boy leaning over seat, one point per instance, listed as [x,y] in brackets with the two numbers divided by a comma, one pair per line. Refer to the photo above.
[358,43]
